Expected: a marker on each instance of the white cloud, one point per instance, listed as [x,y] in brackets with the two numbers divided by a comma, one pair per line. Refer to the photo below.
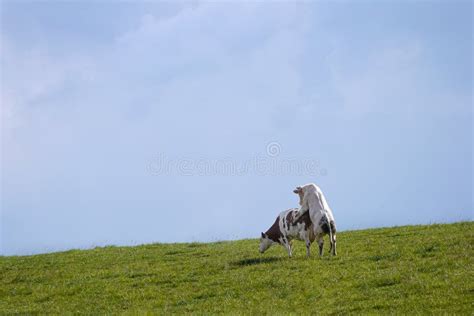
[212,80]
[205,81]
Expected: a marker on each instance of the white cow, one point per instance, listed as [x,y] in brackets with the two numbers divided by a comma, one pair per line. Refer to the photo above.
[285,228]
[312,201]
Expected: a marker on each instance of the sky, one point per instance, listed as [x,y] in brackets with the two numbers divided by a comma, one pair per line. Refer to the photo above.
[125,123]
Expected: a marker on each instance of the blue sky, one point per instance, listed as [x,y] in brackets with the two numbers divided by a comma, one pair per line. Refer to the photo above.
[370,100]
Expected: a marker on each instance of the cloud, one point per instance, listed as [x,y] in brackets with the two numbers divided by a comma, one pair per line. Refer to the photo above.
[203,82]
[212,81]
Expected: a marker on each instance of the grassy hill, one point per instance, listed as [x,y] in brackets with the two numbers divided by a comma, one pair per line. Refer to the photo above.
[409,270]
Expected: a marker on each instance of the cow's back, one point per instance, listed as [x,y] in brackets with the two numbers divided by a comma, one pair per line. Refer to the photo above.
[292,228]
[326,209]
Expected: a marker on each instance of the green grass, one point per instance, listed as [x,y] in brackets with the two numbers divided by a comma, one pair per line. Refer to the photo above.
[401,270]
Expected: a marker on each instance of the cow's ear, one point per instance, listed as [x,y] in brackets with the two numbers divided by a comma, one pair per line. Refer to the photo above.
[263,235]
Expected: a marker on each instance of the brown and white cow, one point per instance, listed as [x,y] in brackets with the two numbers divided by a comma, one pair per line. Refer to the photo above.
[285,229]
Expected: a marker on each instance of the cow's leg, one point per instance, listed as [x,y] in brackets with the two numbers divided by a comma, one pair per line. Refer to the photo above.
[306,237]
[332,241]
[287,246]
[321,245]
[308,247]
[290,242]
[330,244]
[333,245]
[332,237]
[300,212]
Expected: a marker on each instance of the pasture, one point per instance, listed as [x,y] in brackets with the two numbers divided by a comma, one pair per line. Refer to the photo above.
[403,270]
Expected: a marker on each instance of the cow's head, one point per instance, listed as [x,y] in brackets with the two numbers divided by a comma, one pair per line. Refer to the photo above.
[265,243]
[299,191]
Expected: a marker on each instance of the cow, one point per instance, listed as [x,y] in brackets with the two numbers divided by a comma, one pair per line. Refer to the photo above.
[313,202]
[285,229]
